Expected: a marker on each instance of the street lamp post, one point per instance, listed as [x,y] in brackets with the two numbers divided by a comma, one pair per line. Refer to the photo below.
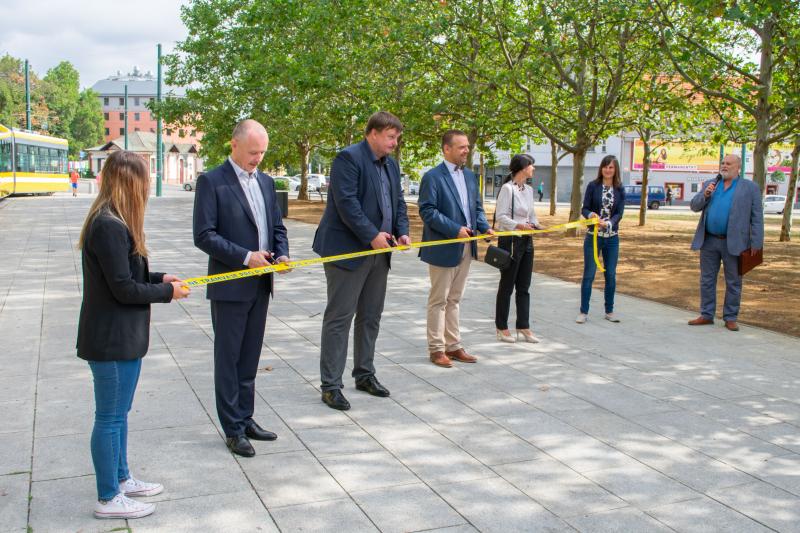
[27,96]
[159,147]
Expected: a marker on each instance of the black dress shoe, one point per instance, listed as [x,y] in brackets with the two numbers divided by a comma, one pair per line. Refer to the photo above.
[335,399]
[256,432]
[240,446]
[371,385]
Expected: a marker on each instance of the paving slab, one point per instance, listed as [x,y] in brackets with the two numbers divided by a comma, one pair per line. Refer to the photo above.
[596,428]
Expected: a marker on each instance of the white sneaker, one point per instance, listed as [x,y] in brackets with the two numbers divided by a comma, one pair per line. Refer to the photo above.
[581,318]
[611,318]
[135,487]
[120,506]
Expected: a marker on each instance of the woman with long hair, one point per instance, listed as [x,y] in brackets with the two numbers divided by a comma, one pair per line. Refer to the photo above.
[604,200]
[514,211]
[114,324]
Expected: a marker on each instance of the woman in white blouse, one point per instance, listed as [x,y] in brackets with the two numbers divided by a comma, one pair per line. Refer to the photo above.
[514,211]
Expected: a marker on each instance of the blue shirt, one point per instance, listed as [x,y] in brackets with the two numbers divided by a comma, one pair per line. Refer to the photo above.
[719,207]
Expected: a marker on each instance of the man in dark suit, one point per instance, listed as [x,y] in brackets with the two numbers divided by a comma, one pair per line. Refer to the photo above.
[450,207]
[237,222]
[731,223]
[365,210]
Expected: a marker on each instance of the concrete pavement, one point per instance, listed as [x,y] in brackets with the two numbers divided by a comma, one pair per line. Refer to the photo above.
[646,425]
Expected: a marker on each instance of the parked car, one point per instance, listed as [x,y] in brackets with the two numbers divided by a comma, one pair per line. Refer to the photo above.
[189,185]
[294,182]
[413,187]
[317,182]
[774,203]
[656,195]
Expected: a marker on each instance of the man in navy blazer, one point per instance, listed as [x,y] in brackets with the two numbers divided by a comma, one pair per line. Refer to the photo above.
[365,211]
[237,222]
[731,223]
[450,207]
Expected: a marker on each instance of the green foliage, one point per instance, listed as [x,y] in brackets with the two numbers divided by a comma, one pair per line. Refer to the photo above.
[281,184]
[778,176]
[58,106]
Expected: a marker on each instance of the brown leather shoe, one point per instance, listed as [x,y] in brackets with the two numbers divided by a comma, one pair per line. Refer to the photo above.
[701,321]
[461,356]
[732,325]
[440,359]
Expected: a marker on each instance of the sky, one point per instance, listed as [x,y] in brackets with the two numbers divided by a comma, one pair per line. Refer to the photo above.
[99,37]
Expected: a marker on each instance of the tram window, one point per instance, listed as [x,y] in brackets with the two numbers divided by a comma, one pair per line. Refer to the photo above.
[23,161]
[5,157]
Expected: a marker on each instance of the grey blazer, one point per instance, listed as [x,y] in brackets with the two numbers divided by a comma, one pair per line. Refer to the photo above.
[745,220]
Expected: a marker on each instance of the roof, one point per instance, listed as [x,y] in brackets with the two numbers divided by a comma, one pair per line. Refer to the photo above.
[143,141]
[138,86]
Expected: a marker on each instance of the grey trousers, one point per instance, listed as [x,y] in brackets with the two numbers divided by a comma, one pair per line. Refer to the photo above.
[360,293]
[714,252]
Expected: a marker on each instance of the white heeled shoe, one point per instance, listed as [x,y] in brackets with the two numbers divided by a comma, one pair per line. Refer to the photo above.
[505,338]
[527,338]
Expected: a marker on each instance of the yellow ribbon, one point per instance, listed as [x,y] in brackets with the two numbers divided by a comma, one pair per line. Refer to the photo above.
[299,263]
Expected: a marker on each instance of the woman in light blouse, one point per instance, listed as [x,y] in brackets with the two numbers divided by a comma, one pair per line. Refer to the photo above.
[514,211]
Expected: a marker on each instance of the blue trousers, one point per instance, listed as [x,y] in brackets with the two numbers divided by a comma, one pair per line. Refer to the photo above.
[609,249]
[714,252]
[114,385]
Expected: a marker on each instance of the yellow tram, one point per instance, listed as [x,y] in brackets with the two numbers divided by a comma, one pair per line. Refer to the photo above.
[31,163]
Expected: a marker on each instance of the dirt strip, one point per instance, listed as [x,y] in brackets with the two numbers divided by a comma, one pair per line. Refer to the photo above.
[656,264]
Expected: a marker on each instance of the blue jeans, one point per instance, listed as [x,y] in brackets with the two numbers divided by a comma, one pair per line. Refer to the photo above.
[609,249]
[114,386]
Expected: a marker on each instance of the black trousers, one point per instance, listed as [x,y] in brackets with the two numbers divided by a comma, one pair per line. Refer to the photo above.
[517,277]
[238,337]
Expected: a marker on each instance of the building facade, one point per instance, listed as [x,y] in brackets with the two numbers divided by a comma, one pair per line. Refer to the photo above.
[141,91]
[181,160]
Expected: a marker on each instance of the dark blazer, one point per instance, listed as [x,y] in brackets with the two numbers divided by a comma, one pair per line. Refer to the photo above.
[118,288]
[745,219]
[440,209]
[353,215]
[593,202]
[225,229]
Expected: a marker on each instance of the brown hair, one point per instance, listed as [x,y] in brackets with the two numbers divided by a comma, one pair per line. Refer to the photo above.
[449,135]
[607,160]
[123,194]
[383,120]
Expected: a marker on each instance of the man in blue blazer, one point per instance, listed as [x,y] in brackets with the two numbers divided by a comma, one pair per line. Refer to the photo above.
[731,223]
[365,211]
[237,222]
[450,207]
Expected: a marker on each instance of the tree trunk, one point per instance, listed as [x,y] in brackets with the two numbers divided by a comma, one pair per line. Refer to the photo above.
[553,176]
[304,151]
[786,226]
[578,162]
[645,175]
[763,106]
[398,156]
[473,139]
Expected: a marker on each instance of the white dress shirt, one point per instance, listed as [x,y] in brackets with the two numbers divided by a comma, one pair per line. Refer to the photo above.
[255,198]
[523,207]
[461,186]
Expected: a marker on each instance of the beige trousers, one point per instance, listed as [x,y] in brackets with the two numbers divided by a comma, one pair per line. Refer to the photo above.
[447,286]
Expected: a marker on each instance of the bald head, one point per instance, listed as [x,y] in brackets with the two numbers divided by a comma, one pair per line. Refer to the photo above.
[249,143]
[730,166]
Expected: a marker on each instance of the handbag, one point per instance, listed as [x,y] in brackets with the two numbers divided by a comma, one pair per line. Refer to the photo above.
[497,257]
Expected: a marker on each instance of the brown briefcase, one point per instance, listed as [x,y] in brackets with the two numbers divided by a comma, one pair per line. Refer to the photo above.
[748,262]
